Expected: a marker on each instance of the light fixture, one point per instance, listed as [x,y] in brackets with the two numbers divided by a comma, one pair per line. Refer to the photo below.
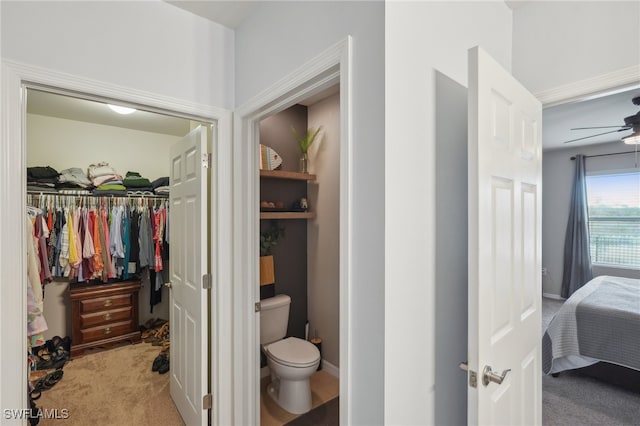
[121,110]
[633,138]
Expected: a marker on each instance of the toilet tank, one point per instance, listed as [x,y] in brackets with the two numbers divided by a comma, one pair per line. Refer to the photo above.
[274,318]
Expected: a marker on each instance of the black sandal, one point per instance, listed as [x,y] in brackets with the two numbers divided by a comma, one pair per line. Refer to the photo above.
[44,383]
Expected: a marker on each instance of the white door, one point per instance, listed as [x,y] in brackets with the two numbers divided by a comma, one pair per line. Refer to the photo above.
[188,264]
[505,158]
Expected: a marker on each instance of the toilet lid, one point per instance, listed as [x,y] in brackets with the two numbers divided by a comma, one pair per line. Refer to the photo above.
[294,352]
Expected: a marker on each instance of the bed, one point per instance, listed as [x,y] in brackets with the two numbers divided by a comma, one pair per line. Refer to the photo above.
[599,322]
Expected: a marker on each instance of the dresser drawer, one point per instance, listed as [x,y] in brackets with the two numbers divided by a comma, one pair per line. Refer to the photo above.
[104,317]
[106,331]
[106,303]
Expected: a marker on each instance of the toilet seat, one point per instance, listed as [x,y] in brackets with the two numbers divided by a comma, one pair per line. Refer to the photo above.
[293,352]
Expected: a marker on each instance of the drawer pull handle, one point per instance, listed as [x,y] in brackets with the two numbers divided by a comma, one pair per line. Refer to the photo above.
[107,316]
[107,330]
[108,302]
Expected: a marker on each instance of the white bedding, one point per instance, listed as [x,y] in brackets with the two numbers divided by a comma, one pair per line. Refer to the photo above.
[561,348]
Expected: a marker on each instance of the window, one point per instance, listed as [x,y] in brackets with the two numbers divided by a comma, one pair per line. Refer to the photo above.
[614,218]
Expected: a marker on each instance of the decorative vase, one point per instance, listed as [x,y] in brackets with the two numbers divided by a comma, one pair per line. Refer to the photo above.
[304,163]
[267,275]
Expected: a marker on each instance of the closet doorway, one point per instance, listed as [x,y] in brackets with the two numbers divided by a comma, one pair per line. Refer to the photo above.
[164,159]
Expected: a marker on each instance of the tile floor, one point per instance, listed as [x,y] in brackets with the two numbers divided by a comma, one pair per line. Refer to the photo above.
[324,387]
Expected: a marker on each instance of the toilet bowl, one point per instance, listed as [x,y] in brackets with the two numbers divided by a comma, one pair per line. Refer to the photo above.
[291,362]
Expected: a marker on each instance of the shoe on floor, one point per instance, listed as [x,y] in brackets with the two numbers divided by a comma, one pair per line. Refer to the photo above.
[164,366]
[158,362]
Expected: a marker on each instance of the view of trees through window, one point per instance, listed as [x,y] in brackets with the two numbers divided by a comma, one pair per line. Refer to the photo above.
[614,218]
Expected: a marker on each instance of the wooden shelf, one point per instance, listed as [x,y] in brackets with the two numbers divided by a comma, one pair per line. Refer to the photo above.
[283,174]
[287,215]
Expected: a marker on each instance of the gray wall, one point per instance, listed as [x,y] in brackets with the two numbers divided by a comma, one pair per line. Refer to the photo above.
[276,39]
[557,178]
[324,231]
[451,249]
[561,42]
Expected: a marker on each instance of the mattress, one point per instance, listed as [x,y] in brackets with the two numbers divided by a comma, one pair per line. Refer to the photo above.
[599,322]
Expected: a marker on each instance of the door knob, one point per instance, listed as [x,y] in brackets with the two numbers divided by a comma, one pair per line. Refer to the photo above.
[489,376]
[168,285]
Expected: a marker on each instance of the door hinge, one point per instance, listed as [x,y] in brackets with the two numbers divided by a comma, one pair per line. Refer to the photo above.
[207,402]
[207,281]
[206,160]
[258,307]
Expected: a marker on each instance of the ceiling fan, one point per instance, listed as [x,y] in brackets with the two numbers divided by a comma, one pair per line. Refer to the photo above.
[631,122]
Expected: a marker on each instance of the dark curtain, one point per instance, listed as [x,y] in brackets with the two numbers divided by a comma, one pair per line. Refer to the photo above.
[577,258]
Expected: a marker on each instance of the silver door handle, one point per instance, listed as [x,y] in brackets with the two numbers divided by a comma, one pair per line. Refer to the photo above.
[489,376]
[168,285]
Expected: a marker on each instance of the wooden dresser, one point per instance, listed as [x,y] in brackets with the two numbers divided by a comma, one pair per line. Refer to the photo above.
[103,314]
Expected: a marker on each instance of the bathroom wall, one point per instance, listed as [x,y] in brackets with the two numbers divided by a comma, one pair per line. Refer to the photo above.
[290,255]
[323,233]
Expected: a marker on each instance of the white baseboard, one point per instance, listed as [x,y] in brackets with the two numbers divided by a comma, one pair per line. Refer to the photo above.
[552,296]
[330,368]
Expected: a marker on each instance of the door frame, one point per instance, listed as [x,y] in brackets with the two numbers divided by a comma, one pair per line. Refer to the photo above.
[333,66]
[16,77]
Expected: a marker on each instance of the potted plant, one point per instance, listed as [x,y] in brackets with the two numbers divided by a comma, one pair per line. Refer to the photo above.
[304,142]
[268,240]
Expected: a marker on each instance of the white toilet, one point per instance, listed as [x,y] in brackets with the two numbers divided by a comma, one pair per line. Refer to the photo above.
[291,361]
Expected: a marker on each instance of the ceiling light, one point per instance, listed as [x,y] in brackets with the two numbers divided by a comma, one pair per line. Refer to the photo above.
[121,110]
[632,139]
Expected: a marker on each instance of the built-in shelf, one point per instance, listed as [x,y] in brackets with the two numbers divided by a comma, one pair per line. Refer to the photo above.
[283,174]
[287,215]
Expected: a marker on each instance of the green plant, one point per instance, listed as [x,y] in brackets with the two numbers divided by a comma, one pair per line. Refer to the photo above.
[269,239]
[305,141]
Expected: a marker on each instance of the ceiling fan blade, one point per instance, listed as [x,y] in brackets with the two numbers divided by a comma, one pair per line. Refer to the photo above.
[623,127]
[593,136]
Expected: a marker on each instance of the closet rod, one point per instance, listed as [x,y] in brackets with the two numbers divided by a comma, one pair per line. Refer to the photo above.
[604,155]
[133,196]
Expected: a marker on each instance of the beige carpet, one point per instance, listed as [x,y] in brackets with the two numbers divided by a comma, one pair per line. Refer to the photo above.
[113,387]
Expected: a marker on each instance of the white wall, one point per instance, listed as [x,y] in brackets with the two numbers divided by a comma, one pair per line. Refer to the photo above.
[276,39]
[147,45]
[557,179]
[561,42]
[323,242]
[421,39]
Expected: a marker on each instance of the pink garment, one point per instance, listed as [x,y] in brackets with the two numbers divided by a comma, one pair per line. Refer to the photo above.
[157,238]
[41,235]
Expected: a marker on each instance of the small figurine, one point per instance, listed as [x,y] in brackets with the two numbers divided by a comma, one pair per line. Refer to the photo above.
[302,205]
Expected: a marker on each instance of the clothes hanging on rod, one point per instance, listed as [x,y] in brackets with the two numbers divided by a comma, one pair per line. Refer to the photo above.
[101,238]
[36,323]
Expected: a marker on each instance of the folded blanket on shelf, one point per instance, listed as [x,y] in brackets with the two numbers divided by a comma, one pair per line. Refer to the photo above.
[161,181]
[100,169]
[74,175]
[42,173]
[135,180]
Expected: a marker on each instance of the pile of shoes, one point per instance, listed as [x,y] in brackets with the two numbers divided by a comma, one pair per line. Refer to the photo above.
[156,332]
[47,362]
